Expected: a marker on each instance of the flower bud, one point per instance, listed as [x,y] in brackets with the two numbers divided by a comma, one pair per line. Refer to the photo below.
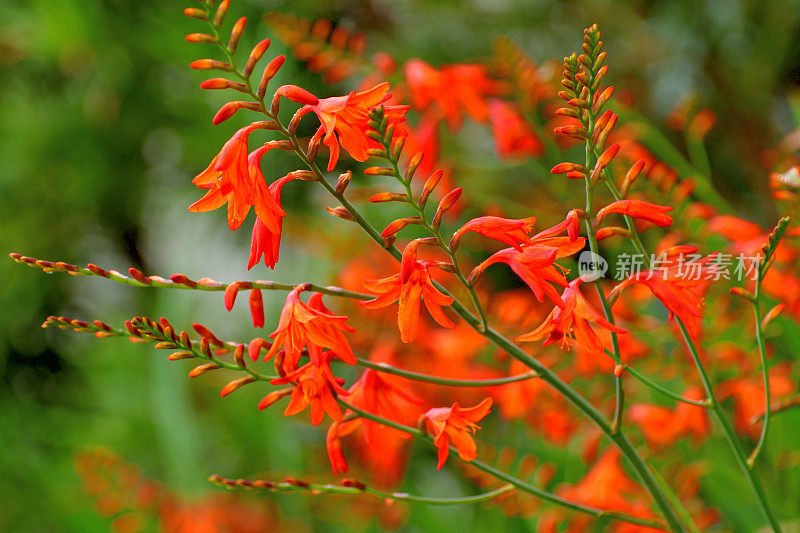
[343,182]
[388,197]
[229,109]
[340,212]
[445,204]
[743,293]
[631,176]
[222,83]
[238,355]
[222,10]
[379,171]
[195,13]
[202,369]
[602,98]
[273,397]
[255,56]
[235,384]
[257,308]
[269,72]
[255,346]
[201,38]
[209,64]
[296,94]
[413,163]
[772,314]
[236,34]
[429,186]
[399,224]
[230,295]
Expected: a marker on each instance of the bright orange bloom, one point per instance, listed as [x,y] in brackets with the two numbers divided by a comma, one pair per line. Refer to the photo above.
[749,397]
[454,425]
[266,242]
[315,385]
[535,264]
[513,135]
[571,323]
[680,288]
[663,426]
[412,284]
[235,177]
[637,209]
[508,231]
[375,394]
[311,325]
[455,89]
[347,116]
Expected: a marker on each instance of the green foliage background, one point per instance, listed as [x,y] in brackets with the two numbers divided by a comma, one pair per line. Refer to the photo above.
[102,126]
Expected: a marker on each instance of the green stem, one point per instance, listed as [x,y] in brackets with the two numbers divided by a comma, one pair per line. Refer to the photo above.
[762,351]
[516,482]
[416,376]
[730,434]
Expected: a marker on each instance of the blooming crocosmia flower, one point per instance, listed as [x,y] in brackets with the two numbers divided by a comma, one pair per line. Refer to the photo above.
[454,425]
[571,323]
[513,136]
[314,385]
[266,241]
[679,286]
[228,179]
[637,209]
[311,325]
[663,426]
[454,88]
[535,263]
[412,284]
[344,121]
[508,231]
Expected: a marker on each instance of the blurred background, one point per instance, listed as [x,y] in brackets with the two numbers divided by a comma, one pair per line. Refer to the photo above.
[102,127]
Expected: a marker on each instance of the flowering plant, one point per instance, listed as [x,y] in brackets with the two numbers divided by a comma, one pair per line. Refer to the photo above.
[568,352]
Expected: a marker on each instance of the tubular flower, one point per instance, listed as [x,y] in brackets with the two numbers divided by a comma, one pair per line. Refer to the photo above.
[266,240]
[344,121]
[454,425]
[571,323]
[535,263]
[230,178]
[508,231]
[310,325]
[412,284]
[679,287]
[637,209]
[454,88]
[513,136]
[314,385]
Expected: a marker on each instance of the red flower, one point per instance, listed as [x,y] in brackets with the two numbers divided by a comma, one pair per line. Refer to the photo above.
[679,286]
[411,285]
[454,88]
[513,136]
[535,263]
[637,209]
[311,325]
[347,116]
[453,425]
[506,230]
[315,385]
[231,177]
[572,321]
[266,240]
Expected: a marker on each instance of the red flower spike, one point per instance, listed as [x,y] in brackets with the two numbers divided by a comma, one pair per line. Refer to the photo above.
[344,121]
[653,213]
[509,231]
[309,325]
[257,308]
[571,323]
[454,425]
[408,287]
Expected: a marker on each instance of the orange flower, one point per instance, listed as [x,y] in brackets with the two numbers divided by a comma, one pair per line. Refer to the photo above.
[235,178]
[453,425]
[454,88]
[347,116]
[311,325]
[513,136]
[572,323]
[411,285]
[749,399]
[679,286]
[375,394]
[663,426]
[535,263]
[506,230]
[315,385]
[637,209]
[265,240]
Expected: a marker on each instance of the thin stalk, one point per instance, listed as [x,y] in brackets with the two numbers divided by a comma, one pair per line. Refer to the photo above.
[762,351]
[730,434]
[416,376]
[516,482]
